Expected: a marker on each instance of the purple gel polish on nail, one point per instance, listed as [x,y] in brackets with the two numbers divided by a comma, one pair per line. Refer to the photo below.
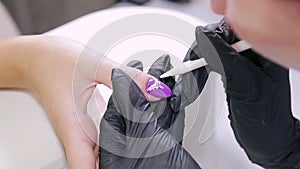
[158,89]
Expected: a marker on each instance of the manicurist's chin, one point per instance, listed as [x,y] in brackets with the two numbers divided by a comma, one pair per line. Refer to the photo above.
[218,6]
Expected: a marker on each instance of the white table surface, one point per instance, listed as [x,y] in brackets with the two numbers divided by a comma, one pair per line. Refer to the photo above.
[28,140]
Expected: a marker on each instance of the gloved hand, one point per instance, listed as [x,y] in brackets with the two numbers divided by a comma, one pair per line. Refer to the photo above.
[258,96]
[133,132]
[185,91]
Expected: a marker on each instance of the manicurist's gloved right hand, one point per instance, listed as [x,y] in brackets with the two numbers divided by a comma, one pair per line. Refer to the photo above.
[134,133]
[258,96]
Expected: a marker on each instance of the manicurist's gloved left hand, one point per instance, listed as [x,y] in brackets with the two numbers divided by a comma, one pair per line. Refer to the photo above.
[134,132]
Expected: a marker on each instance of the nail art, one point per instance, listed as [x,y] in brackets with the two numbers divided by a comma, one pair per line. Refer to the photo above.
[158,89]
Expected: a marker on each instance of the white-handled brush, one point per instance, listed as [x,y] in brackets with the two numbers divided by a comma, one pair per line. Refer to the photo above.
[195,64]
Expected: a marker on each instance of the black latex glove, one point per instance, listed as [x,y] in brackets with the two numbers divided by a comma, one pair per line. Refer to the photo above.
[133,134]
[258,96]
[185,91]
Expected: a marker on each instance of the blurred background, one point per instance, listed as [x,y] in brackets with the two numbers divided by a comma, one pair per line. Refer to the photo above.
[38,16]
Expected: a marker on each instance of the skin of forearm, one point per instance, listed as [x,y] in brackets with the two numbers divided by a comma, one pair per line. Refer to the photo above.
[12,65]
[20,55]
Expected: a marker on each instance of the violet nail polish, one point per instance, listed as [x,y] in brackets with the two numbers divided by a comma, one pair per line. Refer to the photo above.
[158,89]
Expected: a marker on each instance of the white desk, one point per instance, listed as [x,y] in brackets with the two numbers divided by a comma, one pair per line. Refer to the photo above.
[28,140]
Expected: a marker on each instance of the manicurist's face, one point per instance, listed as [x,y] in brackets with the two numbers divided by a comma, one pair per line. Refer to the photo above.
[272,27]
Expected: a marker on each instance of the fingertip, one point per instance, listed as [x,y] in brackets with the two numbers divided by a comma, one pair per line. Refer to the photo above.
[136,64]
[218,6]
[160,66]
[126,93]
[158,89]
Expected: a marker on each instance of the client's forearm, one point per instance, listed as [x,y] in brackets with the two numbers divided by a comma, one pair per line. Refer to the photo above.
[12,64]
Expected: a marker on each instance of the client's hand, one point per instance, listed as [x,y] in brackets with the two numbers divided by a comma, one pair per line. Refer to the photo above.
[258,96]
[133,132]
[62,74]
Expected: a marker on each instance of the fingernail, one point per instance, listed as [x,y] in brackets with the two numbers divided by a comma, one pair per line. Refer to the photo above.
[158,89]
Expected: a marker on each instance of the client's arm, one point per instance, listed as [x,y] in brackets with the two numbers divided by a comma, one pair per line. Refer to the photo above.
[62,74]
